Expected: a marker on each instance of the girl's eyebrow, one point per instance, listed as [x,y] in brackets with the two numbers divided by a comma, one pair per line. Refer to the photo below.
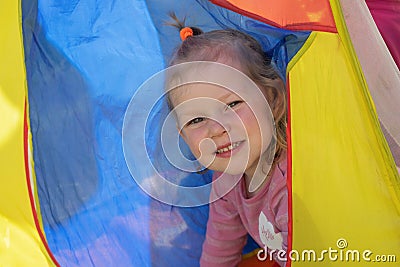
[225,96]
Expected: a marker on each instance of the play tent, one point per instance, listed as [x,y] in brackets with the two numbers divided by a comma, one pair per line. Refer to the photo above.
[69,69]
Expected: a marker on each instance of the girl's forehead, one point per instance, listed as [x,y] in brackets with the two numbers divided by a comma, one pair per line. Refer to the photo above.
[208,79]
[200,90]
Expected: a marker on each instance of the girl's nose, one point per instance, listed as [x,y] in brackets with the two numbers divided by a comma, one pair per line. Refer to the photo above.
[217,129]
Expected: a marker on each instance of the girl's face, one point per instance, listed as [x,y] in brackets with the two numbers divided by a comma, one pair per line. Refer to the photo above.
[223,131]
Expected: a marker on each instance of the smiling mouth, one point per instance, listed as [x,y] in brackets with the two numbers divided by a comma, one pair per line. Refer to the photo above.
[228,148]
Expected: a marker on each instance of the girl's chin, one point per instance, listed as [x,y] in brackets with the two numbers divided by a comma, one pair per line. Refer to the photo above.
[232,167]
[231,171]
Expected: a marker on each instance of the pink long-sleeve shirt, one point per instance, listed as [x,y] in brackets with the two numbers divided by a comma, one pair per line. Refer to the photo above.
[264,216]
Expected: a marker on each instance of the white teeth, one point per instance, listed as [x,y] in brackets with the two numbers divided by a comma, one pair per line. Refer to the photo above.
[228,148]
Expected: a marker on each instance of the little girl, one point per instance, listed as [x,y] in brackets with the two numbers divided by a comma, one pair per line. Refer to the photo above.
[224,130]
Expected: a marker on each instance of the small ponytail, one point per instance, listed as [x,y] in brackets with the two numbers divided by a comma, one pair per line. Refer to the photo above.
[184,31]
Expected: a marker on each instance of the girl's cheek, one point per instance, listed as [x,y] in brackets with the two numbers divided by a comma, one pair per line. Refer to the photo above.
[246,116]
[194,137]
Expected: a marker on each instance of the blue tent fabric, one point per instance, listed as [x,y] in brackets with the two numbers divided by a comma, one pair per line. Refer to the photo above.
[84,61]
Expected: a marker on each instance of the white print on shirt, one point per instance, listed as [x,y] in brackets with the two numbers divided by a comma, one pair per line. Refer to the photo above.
[267,233]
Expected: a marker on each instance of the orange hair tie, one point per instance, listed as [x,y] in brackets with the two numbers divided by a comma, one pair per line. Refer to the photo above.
[185,33]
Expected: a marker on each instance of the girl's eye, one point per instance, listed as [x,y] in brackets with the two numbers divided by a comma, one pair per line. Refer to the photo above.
[195,120]
[234,103]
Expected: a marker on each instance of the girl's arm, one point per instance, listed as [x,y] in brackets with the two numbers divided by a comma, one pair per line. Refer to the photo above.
[225,236]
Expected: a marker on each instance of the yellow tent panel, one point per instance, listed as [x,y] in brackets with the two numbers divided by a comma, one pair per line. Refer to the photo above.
[20,242]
